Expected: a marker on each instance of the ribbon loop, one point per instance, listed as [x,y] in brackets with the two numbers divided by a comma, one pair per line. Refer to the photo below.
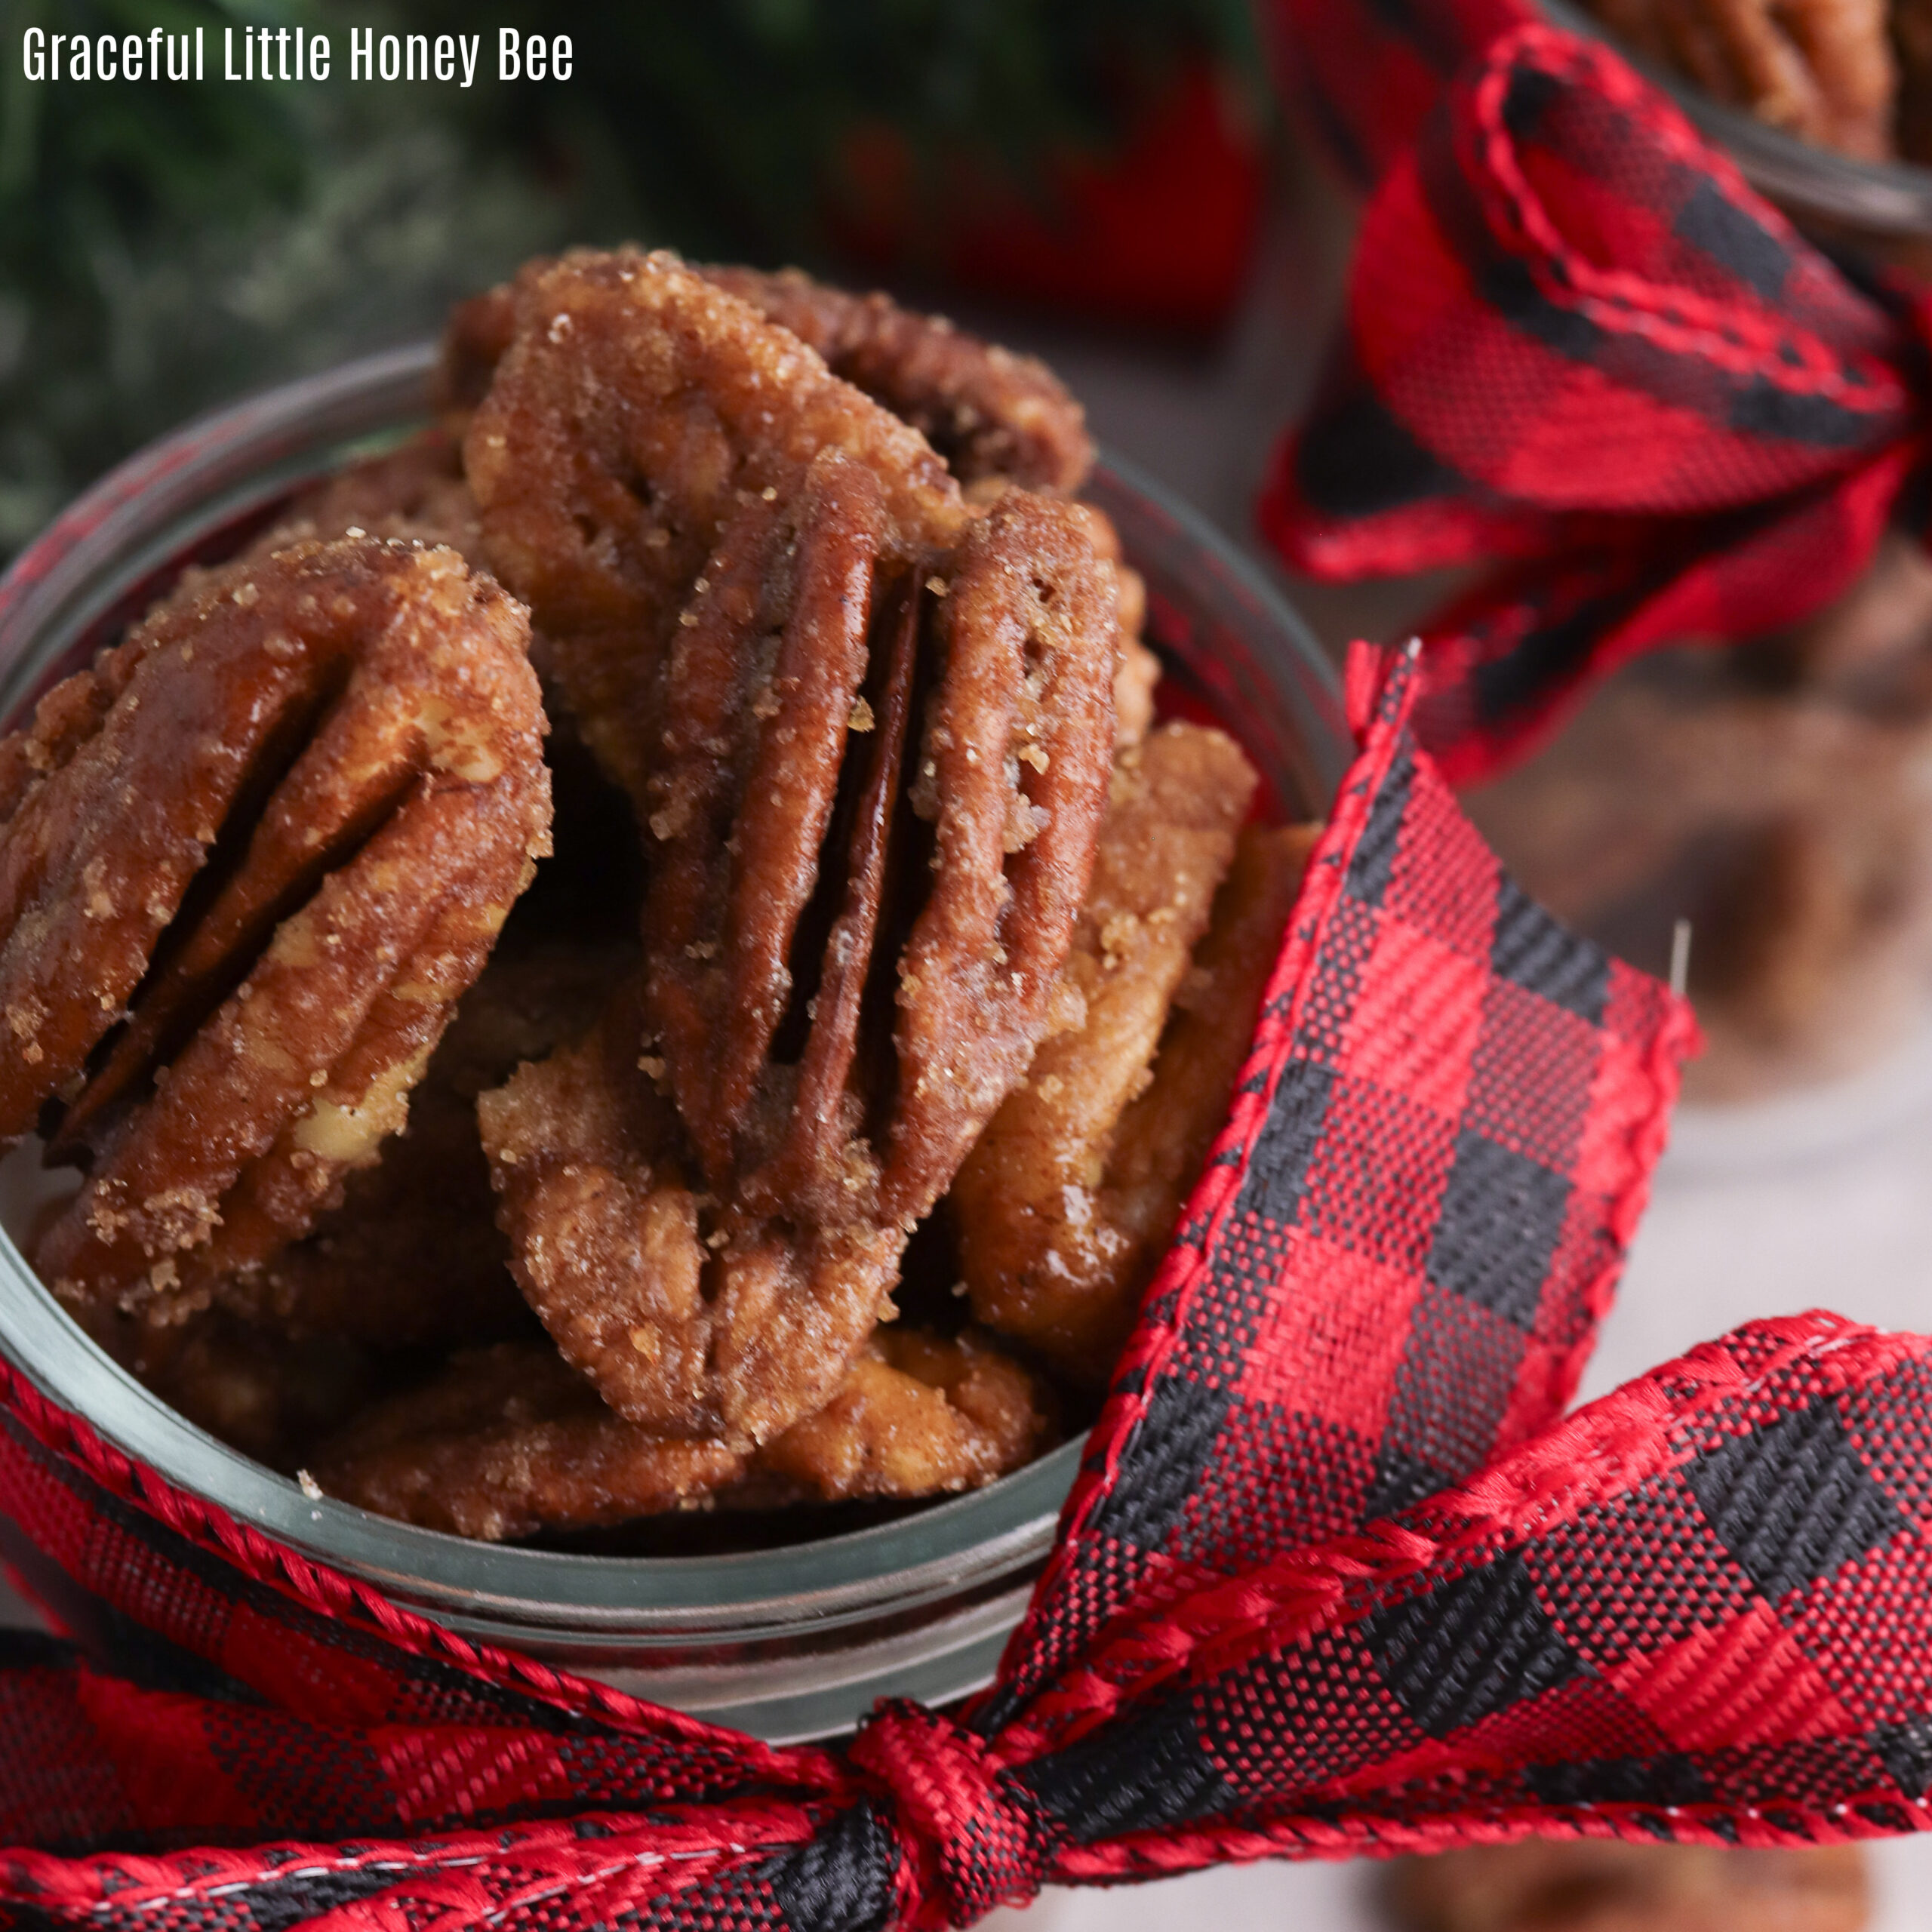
[1581,348]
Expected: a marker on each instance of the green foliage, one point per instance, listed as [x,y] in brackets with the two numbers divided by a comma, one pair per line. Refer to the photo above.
[164,247]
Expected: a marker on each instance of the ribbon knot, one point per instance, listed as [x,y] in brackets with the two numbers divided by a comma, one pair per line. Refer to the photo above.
[970,1838]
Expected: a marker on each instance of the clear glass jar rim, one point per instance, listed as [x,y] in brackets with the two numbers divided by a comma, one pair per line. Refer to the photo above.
[1892,198]
[988,1533]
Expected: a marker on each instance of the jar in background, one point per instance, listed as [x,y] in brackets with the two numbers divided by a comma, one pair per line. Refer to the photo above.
[1880,210]
[1777,794]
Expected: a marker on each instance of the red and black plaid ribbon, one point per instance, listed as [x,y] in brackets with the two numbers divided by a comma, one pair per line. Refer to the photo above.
[1335,1577]
[1579,344]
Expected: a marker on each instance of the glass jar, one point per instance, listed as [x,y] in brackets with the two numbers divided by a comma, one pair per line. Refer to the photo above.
[1777,795]
[789,1644]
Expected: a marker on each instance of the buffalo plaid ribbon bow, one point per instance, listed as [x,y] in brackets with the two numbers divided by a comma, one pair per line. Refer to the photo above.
[1337,1575]
[1578,347]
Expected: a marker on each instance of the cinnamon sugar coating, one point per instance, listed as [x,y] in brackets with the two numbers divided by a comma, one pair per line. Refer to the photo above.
[1133,689]
[691,1320]
[863,723]
[636,408]
[1031,645]
[988,411]
[507,1440]
[412,1255]
[416,491]
[339,747]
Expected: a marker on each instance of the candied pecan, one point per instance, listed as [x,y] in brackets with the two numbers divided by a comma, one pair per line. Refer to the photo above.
[1162,1139]
[732,1332]
[753,754]
[1134,690]
[916,1415]
[272,1396]
[1063,1207]
[506,1441]
[1592,1885]
[1029,642]
[416,491]
[988,411]
[509,1440]
[413,1255]
[851,712]
[1821,69]
[338,749]
[477,332]
[636,408]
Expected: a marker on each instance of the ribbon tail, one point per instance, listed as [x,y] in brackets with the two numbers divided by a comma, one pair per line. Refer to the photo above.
[1697,1609]
[1364,75]
[1396,1261]
[1676,1614]
[587,1872]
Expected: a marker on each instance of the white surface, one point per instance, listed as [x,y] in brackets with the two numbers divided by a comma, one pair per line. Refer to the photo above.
[1820,1201]
[1306,1898]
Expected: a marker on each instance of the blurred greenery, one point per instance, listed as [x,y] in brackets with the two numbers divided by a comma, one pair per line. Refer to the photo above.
[164,246]
[729,113]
